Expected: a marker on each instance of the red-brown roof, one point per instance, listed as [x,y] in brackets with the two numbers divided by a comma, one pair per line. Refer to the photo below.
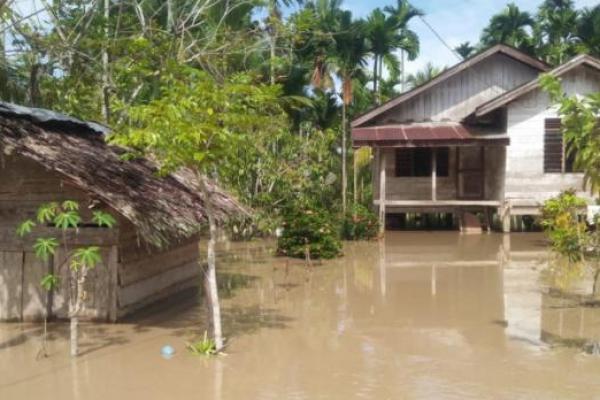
[422,135]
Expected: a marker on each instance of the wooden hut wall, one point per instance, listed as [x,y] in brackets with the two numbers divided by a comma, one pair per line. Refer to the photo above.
[24,186]
[147,274]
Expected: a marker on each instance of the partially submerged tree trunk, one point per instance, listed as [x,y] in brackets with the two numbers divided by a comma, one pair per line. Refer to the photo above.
[210,271]
[76,305]
[344,159]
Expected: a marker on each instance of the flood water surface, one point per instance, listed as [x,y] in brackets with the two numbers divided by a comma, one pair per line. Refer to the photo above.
[416,316]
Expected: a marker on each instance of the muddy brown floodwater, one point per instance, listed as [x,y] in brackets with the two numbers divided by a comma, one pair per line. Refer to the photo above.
[418,316]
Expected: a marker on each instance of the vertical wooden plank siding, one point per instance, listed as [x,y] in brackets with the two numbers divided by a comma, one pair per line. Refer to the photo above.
[113,281]
[11,285]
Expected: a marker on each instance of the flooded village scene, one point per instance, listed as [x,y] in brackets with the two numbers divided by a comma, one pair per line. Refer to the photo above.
[318,199]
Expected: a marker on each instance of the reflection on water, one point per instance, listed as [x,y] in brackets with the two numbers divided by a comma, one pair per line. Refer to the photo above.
[417,315]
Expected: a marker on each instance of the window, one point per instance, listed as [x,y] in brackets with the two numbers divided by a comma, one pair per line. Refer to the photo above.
[417,162]
[556,159]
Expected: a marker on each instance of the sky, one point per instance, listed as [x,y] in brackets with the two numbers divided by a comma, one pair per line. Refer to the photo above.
[457,21]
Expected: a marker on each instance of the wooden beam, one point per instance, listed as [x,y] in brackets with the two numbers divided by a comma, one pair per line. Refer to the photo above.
[433,174]
[440,203]
[382,188]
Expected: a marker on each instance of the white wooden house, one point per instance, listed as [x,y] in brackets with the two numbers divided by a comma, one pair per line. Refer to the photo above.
[481,136]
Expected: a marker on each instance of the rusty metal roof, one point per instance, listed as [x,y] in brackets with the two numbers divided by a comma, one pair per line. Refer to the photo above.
[422,135]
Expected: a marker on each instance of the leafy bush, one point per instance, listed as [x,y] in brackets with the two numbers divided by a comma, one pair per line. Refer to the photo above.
[309,232]
[360,224]
[561,222]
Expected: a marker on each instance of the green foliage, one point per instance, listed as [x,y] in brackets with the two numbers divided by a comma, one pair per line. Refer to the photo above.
[204,347]
[561,221]
[360,224]
[581,129]
[67,219]
[103,219]
[86,257]
[309,232]
[25,228]
[49,282]
[45,247]
[47,212]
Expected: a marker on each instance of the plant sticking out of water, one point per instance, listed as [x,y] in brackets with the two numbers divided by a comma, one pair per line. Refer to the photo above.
[66,219]
[576,247]
[49,283]
[204,347]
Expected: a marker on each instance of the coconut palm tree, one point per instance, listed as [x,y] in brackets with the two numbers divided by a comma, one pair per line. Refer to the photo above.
[423,76]
[403,13]
[588,30]
[556,31]
[387,33]
[512,27]
[465,50]
[273,24]
[350,57]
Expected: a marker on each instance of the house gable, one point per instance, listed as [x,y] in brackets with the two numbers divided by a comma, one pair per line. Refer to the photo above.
[526,121]
[455,93]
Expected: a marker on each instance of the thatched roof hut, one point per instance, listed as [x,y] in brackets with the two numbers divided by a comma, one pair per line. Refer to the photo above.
[45,156]
[163,209]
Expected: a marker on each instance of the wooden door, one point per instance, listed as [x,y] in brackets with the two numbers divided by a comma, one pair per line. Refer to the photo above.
[471,174]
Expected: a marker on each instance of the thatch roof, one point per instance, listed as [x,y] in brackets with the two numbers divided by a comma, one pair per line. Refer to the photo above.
[163,209]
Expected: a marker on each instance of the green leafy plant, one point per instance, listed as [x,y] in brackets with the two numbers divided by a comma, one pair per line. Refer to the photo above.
[49,283]
[560,218]
[65,217]
[360,223]
[25,228]
[204,347]
[310,233]
[45,247]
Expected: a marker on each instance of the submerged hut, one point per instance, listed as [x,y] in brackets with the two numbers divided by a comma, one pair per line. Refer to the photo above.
[151,254]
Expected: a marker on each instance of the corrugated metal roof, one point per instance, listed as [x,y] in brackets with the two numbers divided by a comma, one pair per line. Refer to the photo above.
[421,135]
[44,116]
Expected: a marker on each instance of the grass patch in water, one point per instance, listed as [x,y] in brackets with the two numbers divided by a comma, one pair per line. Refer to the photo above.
[204,347]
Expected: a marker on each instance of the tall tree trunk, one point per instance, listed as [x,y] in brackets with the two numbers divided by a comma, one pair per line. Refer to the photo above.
[105,67]
[272,39]
[403,74]
[34,82]
[355,176]
[344,158]
[210,271]
[170,18]
[375,86]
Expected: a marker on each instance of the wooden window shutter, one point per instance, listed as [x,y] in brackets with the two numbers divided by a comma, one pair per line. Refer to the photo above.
[553,146]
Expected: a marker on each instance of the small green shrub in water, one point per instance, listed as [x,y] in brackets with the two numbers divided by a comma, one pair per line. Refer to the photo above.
[204,347]
[360,224]
[310,233]
[561,221]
